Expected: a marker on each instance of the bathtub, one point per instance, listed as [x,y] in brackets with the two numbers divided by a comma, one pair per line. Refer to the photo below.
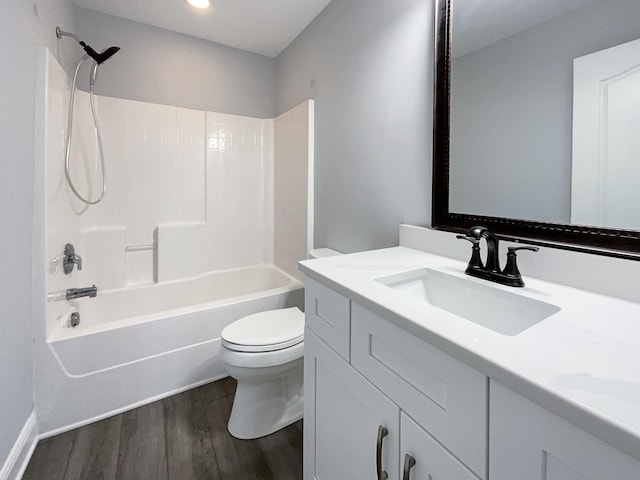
[136,345]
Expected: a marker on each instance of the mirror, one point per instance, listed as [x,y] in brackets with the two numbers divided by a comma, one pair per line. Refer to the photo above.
[537,121]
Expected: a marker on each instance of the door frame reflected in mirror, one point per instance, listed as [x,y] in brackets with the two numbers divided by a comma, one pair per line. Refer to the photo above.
[601,241]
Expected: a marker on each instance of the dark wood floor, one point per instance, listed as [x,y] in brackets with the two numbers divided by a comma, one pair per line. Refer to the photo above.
[183,437]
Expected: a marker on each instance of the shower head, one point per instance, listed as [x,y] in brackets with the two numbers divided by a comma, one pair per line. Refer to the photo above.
[101,57]
[98,57]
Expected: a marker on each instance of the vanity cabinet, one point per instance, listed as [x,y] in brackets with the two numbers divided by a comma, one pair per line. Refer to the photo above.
[364,373]
[528,442]
[386,402]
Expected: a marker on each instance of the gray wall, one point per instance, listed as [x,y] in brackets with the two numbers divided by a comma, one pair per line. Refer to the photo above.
[512,108]
[25,26]
[368,65]
[160,66]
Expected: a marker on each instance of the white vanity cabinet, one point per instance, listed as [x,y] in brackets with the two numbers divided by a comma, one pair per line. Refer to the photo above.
[528,442]
[427,404]
[364,373]
[555,401]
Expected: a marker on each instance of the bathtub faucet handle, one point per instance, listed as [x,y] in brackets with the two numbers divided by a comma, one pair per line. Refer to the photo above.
[70,258]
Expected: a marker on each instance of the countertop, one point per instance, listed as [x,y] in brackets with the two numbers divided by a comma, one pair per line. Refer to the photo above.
[582,363]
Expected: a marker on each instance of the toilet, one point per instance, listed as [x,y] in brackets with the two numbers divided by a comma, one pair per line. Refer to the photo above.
[264,353]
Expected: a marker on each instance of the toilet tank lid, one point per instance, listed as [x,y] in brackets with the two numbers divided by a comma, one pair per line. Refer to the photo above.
[271,327]
[323,252]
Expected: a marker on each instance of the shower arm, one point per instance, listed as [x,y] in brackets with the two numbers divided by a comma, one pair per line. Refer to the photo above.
[60,33]
[92,53]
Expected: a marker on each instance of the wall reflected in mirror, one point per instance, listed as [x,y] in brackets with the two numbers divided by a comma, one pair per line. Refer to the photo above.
[545,111]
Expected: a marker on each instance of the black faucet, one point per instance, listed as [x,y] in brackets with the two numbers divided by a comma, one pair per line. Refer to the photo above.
[491,271]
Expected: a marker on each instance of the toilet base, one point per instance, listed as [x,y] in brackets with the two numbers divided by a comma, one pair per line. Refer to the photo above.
[264,407]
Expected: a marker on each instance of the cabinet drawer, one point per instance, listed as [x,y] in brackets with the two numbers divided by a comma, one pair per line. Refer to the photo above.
[445,396]
[432,461]
[327,313]
[528,443]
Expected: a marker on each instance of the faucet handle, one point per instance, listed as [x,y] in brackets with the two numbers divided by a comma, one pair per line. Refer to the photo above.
[70,258]
[525,247]
[511,268]
[475,263]
[473,240]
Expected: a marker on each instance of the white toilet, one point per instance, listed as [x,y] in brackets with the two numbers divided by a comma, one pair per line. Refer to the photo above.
[264,353]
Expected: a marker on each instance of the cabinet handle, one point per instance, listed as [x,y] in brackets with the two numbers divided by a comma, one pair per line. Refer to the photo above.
[382,432]
[409,462]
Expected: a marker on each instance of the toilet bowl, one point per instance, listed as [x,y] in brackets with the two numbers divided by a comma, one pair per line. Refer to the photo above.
[264,353]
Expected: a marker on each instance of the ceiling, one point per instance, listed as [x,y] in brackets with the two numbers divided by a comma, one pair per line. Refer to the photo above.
[477,24]
[265,27]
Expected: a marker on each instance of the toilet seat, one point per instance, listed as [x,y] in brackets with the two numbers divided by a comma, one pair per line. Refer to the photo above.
[259,360]
[266,331]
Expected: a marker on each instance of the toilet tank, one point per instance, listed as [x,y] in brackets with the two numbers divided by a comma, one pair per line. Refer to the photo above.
[323,252]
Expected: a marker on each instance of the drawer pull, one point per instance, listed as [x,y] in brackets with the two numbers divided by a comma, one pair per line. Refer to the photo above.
[409,462]
[382,432]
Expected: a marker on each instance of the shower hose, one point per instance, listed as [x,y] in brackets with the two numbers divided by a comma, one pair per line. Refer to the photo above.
[98,136]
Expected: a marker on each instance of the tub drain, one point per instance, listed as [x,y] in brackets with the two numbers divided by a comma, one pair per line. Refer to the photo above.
[74,319]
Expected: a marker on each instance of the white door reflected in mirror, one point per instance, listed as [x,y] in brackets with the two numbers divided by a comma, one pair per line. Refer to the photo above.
[606,138]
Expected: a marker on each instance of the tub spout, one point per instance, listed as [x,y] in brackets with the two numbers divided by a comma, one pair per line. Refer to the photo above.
[82,292]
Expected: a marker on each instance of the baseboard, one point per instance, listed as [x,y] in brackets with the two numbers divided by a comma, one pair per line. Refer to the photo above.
[20,454]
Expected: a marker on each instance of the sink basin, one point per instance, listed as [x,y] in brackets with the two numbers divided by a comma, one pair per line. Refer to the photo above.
[496,309]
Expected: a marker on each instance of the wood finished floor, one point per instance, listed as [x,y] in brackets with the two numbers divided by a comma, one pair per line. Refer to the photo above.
[183,437]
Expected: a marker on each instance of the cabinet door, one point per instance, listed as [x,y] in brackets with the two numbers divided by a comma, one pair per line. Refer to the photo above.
[527,442]
[432,460]
[342,415]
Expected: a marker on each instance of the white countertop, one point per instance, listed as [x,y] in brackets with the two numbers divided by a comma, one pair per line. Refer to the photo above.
[582,363]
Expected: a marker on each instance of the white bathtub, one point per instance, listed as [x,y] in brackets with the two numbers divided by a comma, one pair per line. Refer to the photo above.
[136,345]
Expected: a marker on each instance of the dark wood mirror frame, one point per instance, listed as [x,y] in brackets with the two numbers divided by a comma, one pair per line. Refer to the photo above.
[601,241]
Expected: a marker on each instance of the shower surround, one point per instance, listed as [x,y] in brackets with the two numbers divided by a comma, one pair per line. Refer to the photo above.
[186,241]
